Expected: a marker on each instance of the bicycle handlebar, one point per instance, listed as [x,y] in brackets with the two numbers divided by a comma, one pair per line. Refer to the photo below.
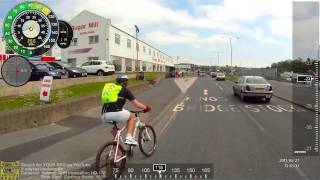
[137,112]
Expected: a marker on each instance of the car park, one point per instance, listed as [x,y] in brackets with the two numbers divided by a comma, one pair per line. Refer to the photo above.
[54,72]
[220,77]
[98,67]
[252,86]
[72,71]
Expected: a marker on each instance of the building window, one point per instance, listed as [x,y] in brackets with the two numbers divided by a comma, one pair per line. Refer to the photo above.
[93,58]
[157,55]
[128,43]
[117,38]
[149,51]
[154,53]
[144,49]
[74,42]
[93,39]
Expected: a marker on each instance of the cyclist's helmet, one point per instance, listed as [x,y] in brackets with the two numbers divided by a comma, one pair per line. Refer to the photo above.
[122,78]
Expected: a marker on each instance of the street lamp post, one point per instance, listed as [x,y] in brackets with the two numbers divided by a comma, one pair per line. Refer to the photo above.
[218,54]
[137,46]
[230,42]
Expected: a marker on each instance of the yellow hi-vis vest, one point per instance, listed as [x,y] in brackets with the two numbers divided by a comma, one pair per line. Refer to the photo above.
[110,93]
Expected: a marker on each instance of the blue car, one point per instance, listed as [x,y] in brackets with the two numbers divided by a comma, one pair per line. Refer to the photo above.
[39,70]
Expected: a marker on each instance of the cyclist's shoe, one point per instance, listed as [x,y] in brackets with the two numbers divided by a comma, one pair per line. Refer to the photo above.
[131,141]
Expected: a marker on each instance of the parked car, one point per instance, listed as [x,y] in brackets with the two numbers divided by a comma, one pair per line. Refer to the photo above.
[72,71]
[98,67]
[252,86]
[221,77]
[54,72]
[40,70]
[202,74]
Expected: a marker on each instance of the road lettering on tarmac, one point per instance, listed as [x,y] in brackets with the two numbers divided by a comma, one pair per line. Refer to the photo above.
[211,104]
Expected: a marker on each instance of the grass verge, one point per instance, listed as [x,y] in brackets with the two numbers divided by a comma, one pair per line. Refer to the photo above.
[232,78]
[72,92]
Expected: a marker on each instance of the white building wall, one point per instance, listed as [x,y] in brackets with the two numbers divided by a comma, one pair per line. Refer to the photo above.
[107,49]
[83,28]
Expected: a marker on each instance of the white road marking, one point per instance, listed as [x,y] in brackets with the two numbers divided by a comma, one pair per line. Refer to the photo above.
[220,88]
[253,120]
[185,83]
[168,122]
[301,173]
[205,92]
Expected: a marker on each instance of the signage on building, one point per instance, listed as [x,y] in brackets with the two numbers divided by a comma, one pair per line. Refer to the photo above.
[85,29]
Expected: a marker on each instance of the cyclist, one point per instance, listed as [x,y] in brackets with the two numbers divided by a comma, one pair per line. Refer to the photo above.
[113,97]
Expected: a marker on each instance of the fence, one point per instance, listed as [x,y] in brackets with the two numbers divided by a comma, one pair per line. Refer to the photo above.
[268,73]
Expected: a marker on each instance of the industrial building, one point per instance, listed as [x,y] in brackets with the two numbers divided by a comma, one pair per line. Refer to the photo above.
[96,38]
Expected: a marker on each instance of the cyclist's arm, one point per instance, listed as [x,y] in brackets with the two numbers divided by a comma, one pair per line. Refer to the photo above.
[138,104]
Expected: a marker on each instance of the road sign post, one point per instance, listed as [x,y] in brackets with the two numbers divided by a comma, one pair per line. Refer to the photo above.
[45,89]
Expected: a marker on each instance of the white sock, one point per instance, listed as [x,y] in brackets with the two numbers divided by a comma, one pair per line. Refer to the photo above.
[129,136]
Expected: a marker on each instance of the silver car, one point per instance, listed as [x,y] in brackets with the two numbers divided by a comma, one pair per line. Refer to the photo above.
[252,86]
[221,77]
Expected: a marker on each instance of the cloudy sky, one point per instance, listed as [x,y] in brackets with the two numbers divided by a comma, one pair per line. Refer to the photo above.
[195,30]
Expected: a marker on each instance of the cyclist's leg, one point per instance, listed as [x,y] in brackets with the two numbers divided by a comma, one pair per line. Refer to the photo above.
[131,124]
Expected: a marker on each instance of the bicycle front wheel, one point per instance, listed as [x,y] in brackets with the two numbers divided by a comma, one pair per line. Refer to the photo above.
[147,140]
[106,166]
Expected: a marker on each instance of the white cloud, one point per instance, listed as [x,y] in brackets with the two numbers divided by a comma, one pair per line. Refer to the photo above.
[184,37]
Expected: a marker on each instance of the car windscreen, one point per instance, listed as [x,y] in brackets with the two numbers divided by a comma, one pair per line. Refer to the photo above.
[256,80]
[220,74]
[41,67]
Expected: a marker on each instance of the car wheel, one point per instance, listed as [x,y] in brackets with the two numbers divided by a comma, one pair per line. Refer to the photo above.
[268,100]
[234,92]
[242,97]
[100,73]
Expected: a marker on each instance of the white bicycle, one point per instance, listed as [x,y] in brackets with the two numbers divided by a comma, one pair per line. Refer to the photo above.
[111,157]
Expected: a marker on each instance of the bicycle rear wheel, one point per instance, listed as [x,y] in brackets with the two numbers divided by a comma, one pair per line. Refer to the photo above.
[147,140]
[105,165]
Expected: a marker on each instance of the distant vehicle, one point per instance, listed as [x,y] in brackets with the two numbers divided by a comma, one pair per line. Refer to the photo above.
[41,70]
[73,71]
[213,74]
[41,67]
[221,77]
[252,86]
[98,67]
[202,74]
